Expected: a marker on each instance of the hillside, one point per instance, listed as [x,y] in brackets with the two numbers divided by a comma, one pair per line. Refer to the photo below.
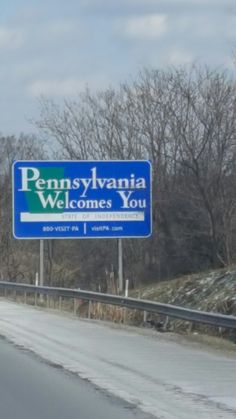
[213,291]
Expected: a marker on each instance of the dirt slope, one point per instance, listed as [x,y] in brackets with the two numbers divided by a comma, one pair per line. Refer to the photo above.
[214,291]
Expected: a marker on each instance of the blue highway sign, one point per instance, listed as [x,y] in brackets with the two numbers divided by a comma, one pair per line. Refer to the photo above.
[81,199]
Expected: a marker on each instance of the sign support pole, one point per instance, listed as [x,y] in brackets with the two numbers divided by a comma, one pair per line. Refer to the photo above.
[41,266]
[120,265]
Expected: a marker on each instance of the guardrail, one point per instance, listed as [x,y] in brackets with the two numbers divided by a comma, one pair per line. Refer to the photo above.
[213,319]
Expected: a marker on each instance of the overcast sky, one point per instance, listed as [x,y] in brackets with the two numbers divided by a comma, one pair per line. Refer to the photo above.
[57,47]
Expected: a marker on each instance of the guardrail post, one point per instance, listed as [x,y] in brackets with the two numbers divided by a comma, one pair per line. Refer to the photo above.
[126,295]
[25,298]
[35,298]
[144,316]
[75,306]
[166,323]
[48,301]
[190,327]
[89,309]
[60,303]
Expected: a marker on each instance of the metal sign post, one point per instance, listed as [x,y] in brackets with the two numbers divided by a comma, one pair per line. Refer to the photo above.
[41,266]
[120,265]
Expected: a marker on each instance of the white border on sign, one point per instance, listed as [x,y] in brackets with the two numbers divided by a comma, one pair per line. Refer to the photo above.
[79,237]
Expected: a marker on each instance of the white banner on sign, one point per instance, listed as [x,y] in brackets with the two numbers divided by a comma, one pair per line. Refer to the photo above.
[83,216]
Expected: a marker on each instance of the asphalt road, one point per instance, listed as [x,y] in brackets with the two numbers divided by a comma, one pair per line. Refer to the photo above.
[159,374]
[31,389]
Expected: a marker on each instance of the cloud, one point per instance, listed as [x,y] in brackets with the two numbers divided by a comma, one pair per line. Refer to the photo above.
[53,33]
[61,29]
[103,4]
[58,87]
[11,39]
[122,7]
[231,28]
[180,57]
[147,27]
[204,26]
[63,87]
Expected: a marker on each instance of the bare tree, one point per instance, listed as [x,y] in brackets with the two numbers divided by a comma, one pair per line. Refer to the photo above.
[14,254]
[184,122]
